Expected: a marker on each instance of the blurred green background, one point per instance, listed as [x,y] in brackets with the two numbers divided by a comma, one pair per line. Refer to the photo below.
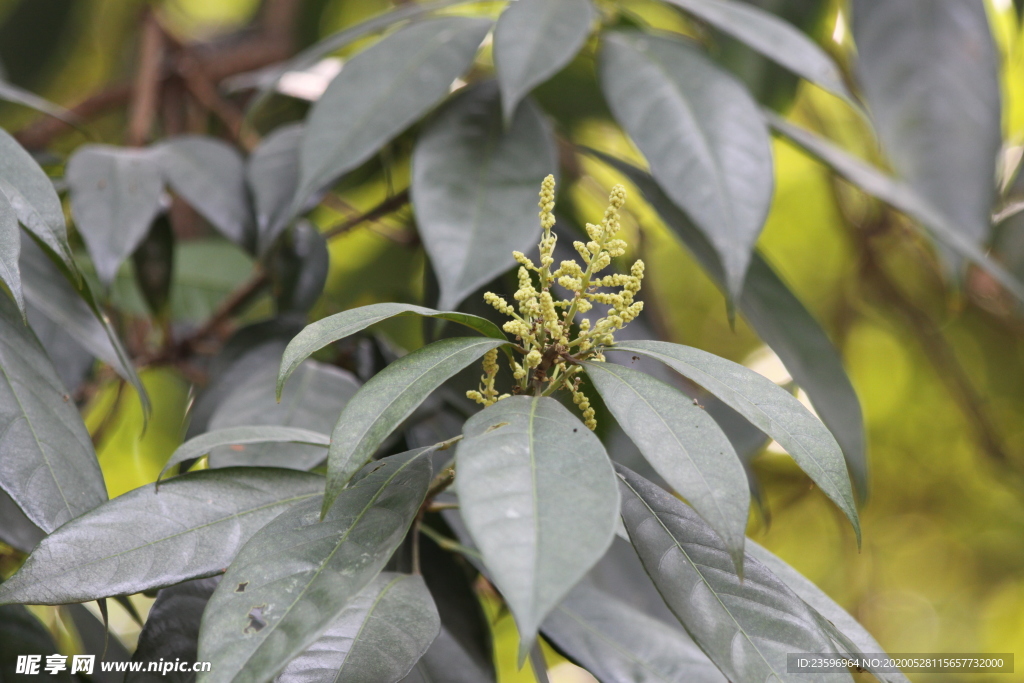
[939,370]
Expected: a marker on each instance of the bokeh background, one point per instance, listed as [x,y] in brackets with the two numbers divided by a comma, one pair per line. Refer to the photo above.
[939,368]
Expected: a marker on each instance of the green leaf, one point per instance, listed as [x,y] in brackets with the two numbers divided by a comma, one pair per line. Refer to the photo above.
[273,174]
[312,402]
[837,619]
[297,574]
[116,193]
[29,190]
[206,272]
[48,466]
[768,407]
[776,39]
[538,494]
[474,188]
[912,55]
[381,92]
[332,328]
[699,129]
[21,633]
[684,445]
[534,40]
[17,530]
[10,252]
[615,641]
[12,93]
[76,310]
[189,527]
[783,323]
[388,398]
[210,175]
[377,638]
[240,436]
[336,41]
[746,627]
[96,640]
[899,195]
[172,630]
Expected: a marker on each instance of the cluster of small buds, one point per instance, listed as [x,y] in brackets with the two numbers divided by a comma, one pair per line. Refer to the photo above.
[543,324]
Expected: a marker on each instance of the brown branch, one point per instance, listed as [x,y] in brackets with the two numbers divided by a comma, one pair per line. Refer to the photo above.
[145,97]
[206,93]
[389,205]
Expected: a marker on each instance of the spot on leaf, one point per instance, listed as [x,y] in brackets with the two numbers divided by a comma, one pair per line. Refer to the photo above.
[256,620]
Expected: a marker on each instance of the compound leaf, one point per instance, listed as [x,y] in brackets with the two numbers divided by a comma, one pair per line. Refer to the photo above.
[189,527]
[537,492]
[388,398]
[297,574]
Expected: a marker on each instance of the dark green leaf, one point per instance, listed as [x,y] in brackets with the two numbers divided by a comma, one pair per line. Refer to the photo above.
[22,634]
[784,324]
[538,495]
[768,407]
[154,265]
[332,328]
[97,641]
[240,436]
[388,398]
[172,630]
[210,175]
[534,40]
[900,196]
[10,251]
[76,311]
[379,93]
[312,402]
[116,193]
[931,79]
[746,627]
[297,574]
[273,175]
[17,530]
[474,188]
[48,466]
[298,268]
[685,446]
[617,642]
[774,38]
[12,93]
[697,126]
[377,638]
[334,42]
[29,190]
[189,527]
[835,616]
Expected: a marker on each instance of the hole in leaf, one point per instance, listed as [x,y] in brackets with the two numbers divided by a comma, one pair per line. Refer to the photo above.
[241,587]
[256,620]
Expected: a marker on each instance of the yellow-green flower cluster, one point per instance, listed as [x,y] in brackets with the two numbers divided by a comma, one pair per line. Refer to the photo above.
[543,325]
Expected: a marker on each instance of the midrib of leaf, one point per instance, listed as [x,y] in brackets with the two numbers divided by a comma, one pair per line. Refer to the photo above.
[478,207]
[326,560]
[35,436]
[675,437]
[536,509]
[549,10]
[362,626]
[693,564]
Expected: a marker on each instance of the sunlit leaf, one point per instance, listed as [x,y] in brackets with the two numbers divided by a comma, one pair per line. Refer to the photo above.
[48,466]
[768,407]
[115,196]
[388,398]
[209,174]
[746,627]
[332,328]
[913,55]
[538,495]
[474,188]
[190,527]
[297,574]
[684,444]
[29,190]
[380,93]
[311,401]
[615,641]
[534,40]
[378,637]
[784,323]
[774,38]
[697,126]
